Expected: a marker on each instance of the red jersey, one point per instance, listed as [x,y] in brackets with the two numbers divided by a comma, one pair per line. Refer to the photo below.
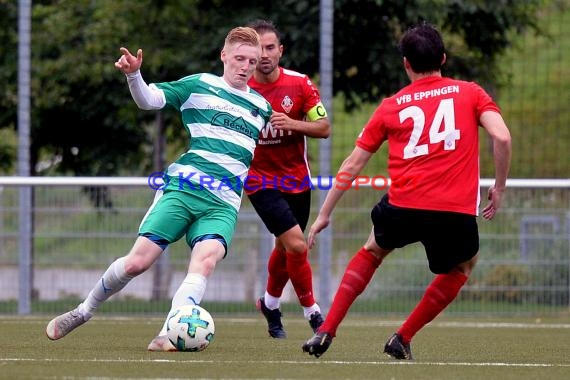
[280,157]
[432,131]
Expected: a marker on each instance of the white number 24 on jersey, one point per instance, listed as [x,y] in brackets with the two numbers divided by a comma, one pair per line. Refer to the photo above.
[448,134]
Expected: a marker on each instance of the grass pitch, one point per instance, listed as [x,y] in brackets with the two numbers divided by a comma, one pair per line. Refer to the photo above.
[115,348]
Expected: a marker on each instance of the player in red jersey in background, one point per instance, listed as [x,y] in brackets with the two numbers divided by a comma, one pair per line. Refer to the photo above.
[278,183]
[432,129]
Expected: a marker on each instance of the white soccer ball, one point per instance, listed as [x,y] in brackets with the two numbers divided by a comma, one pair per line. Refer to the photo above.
[190,328]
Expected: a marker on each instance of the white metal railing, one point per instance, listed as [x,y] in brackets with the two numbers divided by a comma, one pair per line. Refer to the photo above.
[527,216]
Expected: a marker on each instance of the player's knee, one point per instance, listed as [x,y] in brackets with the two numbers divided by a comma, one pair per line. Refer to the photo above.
[208,265]
[378,252]
[466,267]
[299,246]
[134,267]
[204,262]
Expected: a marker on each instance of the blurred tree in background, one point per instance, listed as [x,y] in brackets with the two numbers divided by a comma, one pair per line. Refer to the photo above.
[84,121]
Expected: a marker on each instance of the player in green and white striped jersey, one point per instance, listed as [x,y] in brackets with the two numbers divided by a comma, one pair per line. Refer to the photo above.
[224,124]
[203,189]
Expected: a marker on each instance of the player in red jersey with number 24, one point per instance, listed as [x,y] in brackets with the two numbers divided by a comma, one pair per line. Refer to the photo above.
[432,129]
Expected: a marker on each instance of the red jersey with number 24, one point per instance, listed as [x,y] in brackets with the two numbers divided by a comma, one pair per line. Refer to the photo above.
[280,158]
[432,131]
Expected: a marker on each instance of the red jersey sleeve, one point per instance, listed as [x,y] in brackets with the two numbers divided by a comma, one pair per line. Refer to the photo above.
[311,95]
[374,133]
[484,100]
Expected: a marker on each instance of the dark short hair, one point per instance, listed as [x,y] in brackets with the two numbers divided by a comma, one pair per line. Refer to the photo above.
[265,26]
[423,47]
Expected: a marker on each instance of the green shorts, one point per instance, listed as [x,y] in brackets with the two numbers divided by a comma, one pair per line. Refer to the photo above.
[174,214]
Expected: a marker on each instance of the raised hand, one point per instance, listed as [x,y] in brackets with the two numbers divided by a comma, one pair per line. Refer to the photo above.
[128,63]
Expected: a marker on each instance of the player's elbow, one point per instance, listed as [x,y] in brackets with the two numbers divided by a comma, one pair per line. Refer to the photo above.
[144,107]
[325,134]
[325,131]
[503,138]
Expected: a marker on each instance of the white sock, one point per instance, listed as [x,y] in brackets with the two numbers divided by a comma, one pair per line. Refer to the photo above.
[308,311]
[190,292]
[271,302]
[113,280]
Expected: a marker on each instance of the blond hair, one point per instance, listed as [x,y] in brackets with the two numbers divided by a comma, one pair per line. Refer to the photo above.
[243,35]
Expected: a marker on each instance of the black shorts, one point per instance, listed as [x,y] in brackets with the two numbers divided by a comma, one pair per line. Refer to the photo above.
[281,211]
[449,238]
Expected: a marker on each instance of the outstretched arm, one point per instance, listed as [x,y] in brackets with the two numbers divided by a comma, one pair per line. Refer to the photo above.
[497,129]
[146,97]
[351,166]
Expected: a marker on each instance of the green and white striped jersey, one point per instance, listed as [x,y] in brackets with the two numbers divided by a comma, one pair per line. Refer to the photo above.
[224,125]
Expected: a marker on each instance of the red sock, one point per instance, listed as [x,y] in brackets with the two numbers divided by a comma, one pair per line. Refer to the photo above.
[442,290]
[278,276]
[301,276]
[356,277]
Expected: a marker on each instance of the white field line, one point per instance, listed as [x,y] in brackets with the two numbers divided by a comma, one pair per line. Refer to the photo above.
[293,362]
[443,324]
